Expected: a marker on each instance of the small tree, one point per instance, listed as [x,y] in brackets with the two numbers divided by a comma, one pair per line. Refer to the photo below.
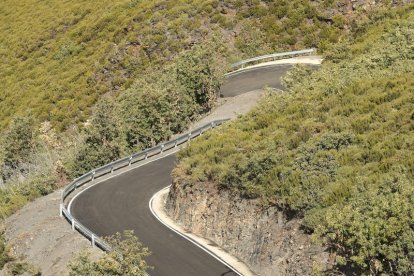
[146,115]
[201,71]
[17,145]
[163,102]
[127,258]
[102,141]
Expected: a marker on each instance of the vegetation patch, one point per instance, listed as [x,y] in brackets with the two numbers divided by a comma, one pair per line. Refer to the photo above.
[127,258]
[4,254]
[155,107]
[60,57]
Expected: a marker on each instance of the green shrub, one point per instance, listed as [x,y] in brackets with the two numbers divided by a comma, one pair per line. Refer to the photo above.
[102,139]
[297,74]
[127,258]
[16,195]
[201,72]
[17,144]
[4,254]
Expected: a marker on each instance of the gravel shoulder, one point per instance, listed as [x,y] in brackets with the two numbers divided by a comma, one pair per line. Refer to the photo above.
[37,235]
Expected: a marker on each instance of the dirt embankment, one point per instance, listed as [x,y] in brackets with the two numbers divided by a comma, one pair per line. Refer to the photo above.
[265,239]
[39,236]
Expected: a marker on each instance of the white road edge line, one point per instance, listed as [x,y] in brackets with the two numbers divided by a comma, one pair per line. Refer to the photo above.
[187,237]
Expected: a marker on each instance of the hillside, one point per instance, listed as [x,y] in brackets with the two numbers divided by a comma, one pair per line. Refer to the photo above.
[336,151]
[83,83]
[59,58]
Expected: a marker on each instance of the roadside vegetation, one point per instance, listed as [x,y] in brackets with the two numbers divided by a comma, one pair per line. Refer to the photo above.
[58,64]
[336,149]
[127,258]
[155,107]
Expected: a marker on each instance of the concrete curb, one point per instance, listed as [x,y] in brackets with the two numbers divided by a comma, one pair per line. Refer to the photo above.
[156,206]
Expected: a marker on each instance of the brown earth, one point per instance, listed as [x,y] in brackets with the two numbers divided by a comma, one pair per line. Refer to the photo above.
[38,235]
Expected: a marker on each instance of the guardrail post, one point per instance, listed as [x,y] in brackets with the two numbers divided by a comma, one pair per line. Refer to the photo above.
[61,210]
[93,240]
[73,224]
[130,160]
[175,144]
[213,124]
[162,148]
[112,169]
[93,175]
[189,136]
[146,155]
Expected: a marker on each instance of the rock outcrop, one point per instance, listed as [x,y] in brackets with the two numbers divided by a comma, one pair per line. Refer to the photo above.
[264,239]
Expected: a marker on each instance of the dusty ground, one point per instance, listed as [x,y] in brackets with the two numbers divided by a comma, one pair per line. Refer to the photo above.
[231,107]
[37,235]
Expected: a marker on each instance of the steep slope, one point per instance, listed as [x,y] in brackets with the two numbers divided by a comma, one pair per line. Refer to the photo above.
[59,57]
[336,151]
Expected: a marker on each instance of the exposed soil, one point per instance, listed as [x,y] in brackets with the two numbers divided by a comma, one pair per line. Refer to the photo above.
[38,235]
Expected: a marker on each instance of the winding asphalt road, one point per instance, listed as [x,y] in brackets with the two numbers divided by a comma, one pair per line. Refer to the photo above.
[121,203]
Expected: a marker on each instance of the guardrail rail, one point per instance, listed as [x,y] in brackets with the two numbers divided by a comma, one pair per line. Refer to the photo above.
[116,165]
[242,63]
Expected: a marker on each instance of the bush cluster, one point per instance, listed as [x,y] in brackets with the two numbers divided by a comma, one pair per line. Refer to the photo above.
[127,258]
[28,164]
[156,106]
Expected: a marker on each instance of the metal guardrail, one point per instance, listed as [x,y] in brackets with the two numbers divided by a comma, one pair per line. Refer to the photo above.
[272,56]
[116,165]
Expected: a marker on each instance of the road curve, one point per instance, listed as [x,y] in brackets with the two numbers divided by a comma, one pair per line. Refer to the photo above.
[121,203]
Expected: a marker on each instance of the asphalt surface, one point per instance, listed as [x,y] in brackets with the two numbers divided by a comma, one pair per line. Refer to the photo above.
[254,79]
[121,203]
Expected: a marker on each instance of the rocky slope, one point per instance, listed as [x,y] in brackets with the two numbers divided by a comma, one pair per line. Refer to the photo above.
[267,240]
